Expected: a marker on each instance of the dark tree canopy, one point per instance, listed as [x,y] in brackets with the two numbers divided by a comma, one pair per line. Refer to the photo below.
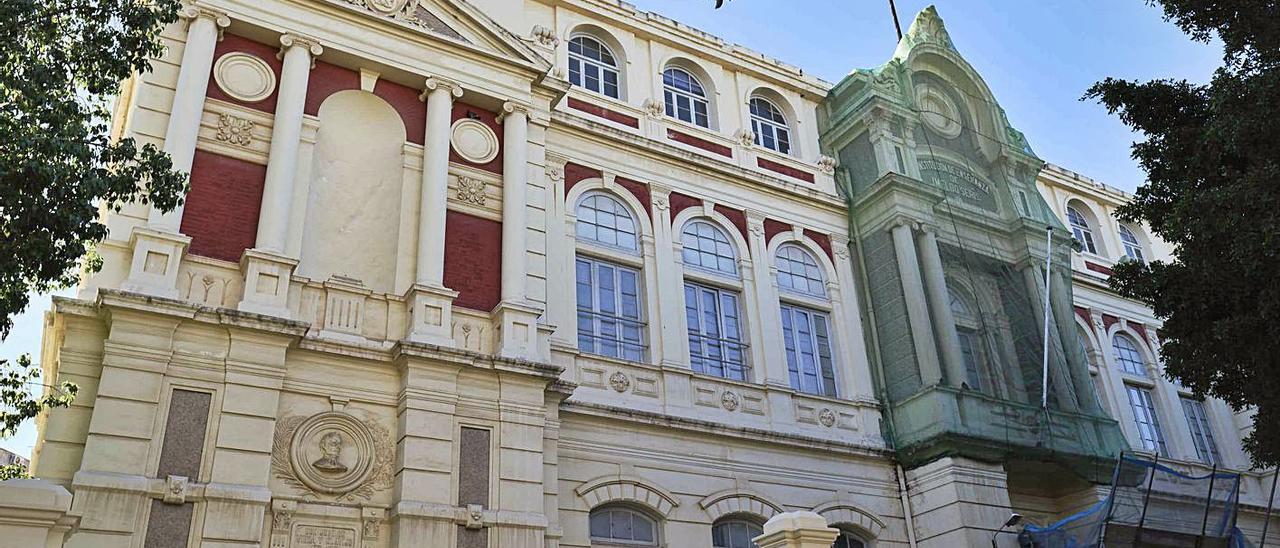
[1212,157]
[60,63]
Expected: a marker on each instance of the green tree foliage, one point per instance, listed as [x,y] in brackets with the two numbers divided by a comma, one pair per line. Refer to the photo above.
[1212,157]
[60,63]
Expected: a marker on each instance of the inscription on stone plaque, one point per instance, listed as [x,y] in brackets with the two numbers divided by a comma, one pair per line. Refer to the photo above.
[314,536]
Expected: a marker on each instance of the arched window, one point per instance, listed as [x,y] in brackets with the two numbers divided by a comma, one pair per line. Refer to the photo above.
[610,319]
[619,525]
[770,126]
[685,97]
[593,66]
[707,247]
[1125,351]
[1080,229]
[735,532]
[713,312]
[806,332]
[848,540]
[604,220]
[969,332]
[798,271]
[1132,248]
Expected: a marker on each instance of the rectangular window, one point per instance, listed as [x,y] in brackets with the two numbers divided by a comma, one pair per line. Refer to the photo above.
[609,319]
[902,163]
[1145,418]
[575,72]
[969,353]
[1024,203]
[1201,433]
[715,332]
[807,337]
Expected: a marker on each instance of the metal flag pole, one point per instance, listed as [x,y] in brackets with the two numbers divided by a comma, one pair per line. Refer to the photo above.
[1048,264]
[896,25]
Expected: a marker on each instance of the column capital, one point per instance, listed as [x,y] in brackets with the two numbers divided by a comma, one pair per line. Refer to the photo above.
[902,220]
[513,107]
[290,40]
[434,83]
[197,11]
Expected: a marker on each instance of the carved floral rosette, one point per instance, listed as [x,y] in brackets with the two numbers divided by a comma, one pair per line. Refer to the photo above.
[333,454]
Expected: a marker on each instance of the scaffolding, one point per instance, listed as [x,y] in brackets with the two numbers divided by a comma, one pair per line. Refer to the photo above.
[1151,505]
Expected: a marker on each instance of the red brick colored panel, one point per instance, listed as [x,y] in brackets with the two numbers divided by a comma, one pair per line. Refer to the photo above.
[641,192]
[1142,330]
[412,110]
[698,142]
[1097,268]
[473,260]
[574,174]
[464,110]
[773,228]
[1108,320]
[823,241]
[680,202]
[221,213]
[601,112]
[232,43]
[1083,313]
[325,80]
[738,218]
[785,170]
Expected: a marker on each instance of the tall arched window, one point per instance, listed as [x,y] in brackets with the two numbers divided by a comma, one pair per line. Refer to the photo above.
[972,348]
[685,97]
[806,331]
[735,532]
[1132,247]
[848,540]
[1080,229]
[712,308]
[623,526]
[593,66]
[1125,351]
[610,319]
[770,125]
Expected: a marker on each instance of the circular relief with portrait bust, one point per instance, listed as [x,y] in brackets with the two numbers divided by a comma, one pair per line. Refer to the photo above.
[332,452]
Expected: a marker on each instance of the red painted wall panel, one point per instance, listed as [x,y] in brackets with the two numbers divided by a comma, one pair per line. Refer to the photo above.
[640,191]
[574,174]
[773,228]
[823,242]
[699,143]
[232,43]
[1083,313]
[680,202]
[412,110]
[785,170]
[737,217]
[473,260]
[325,80]
[601,112]
[221,213]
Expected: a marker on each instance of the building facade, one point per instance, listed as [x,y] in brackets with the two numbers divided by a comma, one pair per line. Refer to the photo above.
[540,273]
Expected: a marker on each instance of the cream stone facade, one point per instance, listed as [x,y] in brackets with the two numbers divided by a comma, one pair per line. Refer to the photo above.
[488,273]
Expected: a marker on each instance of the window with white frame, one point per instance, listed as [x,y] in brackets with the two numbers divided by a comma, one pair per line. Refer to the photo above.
[592,66]
[623,526]
[1132,247]
[770,125]
[970,334]
[806,334]
[1125,350]
[610,319]
[1080,229]
[1145,419]
[1201,432]
[716,335]
[602,219]
[798,271]
[735,533]
[685,98]
[707,247]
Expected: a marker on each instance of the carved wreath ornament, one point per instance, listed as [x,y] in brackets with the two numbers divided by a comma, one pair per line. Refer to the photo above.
[333,454]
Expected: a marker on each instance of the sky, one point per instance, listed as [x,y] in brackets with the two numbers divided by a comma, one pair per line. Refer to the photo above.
[1037,56]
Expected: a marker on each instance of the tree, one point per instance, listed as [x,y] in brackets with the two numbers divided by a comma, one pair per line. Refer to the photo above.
[1212,157]
[60,63]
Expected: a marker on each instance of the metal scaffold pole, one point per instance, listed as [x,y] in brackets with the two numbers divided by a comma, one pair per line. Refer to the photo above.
[1271,500]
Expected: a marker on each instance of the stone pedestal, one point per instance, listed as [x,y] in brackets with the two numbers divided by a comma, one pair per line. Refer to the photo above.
[959,502]
[518,333]
[33,514]
[431,314]
[797,530]
[266,283]
[156,256]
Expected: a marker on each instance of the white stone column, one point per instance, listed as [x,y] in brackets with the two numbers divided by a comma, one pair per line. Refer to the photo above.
[158,247]
[286,131]
[1064,316]
[675,335]
[561,254]
[944,323]
[430,302]
[855,364]
[515,316]
[267,271]
[917,309]
[774,368]
[188,100]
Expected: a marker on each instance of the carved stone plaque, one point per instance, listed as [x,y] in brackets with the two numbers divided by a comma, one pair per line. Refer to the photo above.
[315,536]
[333,453]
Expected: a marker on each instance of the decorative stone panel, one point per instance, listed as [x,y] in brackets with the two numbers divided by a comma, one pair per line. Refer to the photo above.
[738,501]
[845,513]
[617,488]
